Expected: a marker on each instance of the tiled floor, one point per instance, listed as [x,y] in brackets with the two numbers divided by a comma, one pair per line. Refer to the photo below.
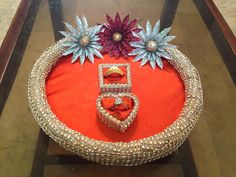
[210,141]
[228,10]
[7,12]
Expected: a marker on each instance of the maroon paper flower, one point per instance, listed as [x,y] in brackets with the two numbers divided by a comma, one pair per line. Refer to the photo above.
[116,35]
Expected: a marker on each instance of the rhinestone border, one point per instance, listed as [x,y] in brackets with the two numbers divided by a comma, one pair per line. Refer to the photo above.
[111,121]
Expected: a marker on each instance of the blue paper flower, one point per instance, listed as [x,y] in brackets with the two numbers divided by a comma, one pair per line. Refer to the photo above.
[152,45]
[82,41]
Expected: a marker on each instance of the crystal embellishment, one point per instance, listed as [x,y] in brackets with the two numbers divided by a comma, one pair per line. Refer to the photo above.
[118,101]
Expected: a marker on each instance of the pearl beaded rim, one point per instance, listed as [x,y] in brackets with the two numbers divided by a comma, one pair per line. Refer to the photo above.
[118,153]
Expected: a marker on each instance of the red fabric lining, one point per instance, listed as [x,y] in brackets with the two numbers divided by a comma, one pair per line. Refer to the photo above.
[72,91]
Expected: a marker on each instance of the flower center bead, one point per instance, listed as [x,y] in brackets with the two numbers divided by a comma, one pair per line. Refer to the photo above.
[151,46]
[117,37]
[84,41]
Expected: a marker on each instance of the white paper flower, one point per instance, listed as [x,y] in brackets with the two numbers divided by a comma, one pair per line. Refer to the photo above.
[82,41]
[152,45]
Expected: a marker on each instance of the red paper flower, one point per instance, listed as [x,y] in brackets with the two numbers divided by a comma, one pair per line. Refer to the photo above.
[116,36]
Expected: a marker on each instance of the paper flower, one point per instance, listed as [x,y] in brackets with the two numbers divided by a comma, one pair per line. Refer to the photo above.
[152,45]
[82,41]
[116,35]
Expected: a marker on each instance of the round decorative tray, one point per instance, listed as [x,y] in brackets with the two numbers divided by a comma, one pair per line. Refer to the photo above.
[118,148]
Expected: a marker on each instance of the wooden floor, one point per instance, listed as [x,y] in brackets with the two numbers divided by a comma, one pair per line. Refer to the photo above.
[228,11]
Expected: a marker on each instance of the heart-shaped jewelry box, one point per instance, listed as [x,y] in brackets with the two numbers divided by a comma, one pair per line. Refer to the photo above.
[112,118]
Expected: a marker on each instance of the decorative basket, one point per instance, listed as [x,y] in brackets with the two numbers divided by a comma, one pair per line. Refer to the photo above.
[116,153]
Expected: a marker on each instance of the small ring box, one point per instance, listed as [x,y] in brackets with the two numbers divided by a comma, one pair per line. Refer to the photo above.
[115,86]
[110,118]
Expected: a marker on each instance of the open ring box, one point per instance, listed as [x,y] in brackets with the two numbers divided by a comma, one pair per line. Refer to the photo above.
[123,85]
[117,116]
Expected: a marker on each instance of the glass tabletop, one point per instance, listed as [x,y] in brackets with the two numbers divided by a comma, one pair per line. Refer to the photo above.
[210,150]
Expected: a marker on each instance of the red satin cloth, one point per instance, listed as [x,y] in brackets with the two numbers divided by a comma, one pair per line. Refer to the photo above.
[72,91]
